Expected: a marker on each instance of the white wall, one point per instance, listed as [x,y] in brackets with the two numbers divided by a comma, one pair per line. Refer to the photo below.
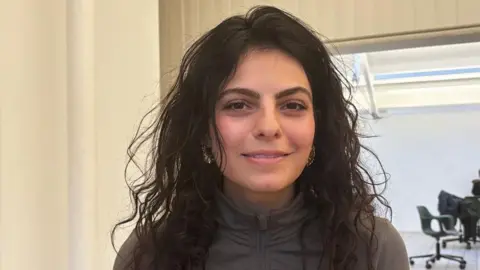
[425,153]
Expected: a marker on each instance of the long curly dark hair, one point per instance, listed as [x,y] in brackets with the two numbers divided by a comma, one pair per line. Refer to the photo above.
[173,200]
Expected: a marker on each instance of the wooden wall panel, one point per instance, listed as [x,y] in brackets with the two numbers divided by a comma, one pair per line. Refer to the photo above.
[468,11]
[172,40]
[223,9]
[309,12]
[344,21]
[191,21]
[322,17]
[402,15]
[207,19]
[446,14]
[434,14]
[335,19]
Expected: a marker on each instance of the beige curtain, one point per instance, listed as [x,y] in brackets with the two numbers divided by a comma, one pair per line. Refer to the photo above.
[75,78]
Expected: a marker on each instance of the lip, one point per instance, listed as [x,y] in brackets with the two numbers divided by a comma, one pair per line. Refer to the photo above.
[265,156]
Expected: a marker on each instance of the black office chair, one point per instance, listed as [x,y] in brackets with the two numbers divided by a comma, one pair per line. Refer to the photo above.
[446,229]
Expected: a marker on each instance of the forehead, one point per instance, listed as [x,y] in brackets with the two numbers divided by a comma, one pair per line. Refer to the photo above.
[268,71]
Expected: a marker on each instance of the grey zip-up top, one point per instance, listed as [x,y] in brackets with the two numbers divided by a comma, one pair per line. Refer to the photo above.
[246,240]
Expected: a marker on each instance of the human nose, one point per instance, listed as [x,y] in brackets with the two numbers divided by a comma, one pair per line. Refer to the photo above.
[267,124]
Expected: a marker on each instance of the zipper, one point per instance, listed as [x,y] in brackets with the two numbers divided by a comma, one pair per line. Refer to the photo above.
[262,223]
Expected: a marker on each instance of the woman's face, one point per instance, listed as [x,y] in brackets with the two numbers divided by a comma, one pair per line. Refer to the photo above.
[266,122]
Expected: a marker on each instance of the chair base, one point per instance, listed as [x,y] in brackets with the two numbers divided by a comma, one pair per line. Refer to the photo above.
[437,256]
[461,239]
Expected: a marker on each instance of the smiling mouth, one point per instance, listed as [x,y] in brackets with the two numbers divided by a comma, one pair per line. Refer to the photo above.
[265,159]
[266,156]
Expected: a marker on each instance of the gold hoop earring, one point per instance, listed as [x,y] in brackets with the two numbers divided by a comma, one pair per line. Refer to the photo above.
[311,157]
[206,157]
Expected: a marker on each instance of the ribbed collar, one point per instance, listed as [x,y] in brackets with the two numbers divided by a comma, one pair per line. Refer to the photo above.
[234,217]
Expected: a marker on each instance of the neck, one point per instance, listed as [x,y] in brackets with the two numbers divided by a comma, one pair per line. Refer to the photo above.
[260,202]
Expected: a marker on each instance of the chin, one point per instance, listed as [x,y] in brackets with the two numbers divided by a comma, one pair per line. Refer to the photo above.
[262,184]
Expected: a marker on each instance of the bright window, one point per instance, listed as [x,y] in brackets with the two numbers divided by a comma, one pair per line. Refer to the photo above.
[427,78]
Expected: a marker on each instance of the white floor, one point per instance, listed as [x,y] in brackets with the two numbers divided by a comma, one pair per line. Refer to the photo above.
[418,244]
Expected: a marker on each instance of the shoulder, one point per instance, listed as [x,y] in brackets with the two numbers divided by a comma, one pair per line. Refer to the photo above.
[391,252]
[384,229]
[126,254]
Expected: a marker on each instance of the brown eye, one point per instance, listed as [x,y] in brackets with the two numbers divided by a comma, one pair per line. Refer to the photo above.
[236,106]
[295,106]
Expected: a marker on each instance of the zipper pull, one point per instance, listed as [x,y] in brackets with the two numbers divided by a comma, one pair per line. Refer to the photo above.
[262,222]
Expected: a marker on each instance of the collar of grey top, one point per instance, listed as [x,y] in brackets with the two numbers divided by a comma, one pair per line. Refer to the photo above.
[234,217]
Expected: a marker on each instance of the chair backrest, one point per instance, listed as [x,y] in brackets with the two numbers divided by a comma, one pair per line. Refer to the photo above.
[423,212]
[425,217]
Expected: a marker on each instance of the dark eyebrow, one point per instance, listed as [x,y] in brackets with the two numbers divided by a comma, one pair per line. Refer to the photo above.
[241,91]
[291,91]
[253,94]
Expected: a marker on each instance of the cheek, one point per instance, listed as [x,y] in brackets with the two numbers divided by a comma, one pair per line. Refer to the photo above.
[232,132]
[301,133]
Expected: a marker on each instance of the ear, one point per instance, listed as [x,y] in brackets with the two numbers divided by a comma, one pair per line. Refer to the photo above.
[207,141]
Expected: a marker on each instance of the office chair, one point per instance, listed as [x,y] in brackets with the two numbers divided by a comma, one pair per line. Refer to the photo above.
[446,229]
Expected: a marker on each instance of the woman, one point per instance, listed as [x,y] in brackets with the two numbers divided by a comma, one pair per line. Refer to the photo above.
[255,163]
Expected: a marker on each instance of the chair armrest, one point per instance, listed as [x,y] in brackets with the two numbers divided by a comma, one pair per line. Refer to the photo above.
[446,220]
